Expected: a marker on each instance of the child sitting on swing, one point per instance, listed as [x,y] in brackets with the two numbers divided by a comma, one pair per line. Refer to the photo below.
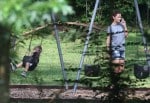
[30,62]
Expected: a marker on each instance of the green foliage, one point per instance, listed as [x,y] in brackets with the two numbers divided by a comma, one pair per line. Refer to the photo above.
[19,14]
[84,10]
[49,70]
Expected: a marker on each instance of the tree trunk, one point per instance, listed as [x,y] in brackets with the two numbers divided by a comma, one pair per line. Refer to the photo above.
[4,65]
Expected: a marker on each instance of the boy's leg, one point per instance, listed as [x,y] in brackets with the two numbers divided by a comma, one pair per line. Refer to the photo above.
[115,55]
[122,61]
[118,61]
[14,66]
[24,73]
[116,66]
[121,66]
[19,65]
[27,67]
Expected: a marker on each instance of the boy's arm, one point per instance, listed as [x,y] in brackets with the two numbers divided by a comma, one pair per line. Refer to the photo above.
[123,22]
[108,42]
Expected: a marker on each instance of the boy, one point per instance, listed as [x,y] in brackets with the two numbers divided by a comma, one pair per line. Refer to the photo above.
[30,62]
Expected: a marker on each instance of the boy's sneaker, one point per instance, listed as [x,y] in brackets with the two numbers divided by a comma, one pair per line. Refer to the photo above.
[13,66]
[24,74]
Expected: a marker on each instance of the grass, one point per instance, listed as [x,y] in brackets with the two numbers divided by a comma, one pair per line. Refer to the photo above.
[49,70]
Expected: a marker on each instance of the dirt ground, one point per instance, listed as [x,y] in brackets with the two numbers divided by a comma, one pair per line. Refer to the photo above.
[47,93]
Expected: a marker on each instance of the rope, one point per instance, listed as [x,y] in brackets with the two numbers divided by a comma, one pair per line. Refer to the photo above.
[29,48]
[41,41]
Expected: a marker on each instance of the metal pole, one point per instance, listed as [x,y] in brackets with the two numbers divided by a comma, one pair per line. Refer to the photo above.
[142,31]
[59,51]
[86,45]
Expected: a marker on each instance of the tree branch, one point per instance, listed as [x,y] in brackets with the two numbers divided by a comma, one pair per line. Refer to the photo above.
[66,23]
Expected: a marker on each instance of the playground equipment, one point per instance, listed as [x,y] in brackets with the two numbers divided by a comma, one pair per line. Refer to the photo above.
[86,44]
[88,37]
[59,51]
[58,47]
[142,71]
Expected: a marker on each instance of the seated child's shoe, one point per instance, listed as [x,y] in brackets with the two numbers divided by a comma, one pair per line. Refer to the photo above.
[13,66]
[24,74]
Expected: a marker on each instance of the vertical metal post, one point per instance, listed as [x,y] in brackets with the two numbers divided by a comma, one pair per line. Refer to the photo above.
[142,31]
[59,51]
[86,45]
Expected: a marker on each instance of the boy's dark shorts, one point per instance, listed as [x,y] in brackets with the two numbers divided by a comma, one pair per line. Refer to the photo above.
[29,59]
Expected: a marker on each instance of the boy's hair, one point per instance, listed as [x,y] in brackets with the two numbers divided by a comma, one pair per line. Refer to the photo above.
[39,47]
[115,12]
[36,54]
